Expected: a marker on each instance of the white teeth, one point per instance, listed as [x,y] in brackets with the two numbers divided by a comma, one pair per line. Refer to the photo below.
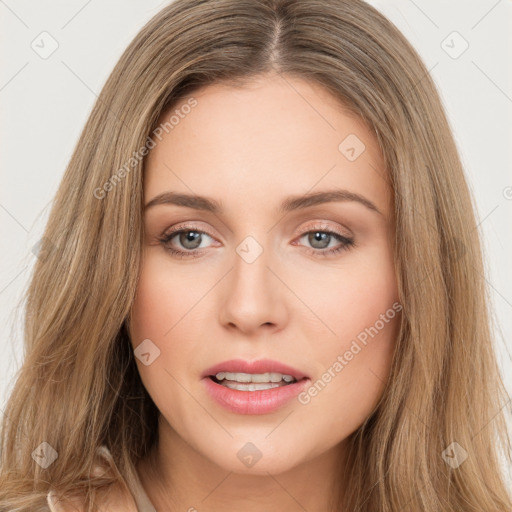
[253,386]
[254,377]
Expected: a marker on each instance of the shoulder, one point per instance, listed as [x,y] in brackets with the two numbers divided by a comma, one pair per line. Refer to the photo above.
[117,499]
[114,499]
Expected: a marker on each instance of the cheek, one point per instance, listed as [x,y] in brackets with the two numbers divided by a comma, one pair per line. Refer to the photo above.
[162,300]
[159,311]
[362,312]
[351,297]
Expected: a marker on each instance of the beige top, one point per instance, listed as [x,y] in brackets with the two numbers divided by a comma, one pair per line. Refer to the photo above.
[138,501]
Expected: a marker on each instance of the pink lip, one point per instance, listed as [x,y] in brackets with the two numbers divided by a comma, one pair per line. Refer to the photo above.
[253,402]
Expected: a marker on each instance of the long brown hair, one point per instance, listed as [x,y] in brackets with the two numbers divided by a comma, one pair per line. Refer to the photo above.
[79,387]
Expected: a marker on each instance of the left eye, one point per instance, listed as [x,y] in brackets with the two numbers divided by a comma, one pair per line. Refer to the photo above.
[321,239]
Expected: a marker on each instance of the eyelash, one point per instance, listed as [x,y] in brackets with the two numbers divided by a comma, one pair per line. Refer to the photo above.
[346,243]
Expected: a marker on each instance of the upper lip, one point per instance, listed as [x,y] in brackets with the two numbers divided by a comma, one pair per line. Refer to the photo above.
[258,366]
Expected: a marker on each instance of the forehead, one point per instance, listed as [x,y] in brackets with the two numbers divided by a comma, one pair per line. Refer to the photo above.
[271,138]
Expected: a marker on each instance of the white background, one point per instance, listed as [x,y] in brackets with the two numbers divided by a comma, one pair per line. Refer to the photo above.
[45,102]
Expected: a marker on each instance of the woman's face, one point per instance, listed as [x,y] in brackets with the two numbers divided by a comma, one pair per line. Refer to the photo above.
[280,271]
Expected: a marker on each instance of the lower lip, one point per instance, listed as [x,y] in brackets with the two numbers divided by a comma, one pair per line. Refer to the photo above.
[254,402]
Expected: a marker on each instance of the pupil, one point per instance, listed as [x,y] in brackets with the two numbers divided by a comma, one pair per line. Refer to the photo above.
[189,239]
[318,236]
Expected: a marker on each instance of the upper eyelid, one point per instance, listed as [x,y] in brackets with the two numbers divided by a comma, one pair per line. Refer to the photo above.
[316,225]
[190,227]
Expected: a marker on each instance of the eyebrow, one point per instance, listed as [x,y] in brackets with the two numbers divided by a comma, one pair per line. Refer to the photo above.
[291,203]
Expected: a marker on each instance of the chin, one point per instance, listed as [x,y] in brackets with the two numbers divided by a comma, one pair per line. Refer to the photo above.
[258,457]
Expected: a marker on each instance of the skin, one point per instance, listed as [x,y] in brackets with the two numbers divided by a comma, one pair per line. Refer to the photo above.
[250,148]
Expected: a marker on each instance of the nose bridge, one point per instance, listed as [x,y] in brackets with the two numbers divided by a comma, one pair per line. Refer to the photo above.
[250,274]
[253,295]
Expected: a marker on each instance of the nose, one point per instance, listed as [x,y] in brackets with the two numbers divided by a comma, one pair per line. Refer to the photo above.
[253,297]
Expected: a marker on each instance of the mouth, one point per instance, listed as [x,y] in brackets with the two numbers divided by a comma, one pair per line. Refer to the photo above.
[253,381]
[257,387]
[261,371]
